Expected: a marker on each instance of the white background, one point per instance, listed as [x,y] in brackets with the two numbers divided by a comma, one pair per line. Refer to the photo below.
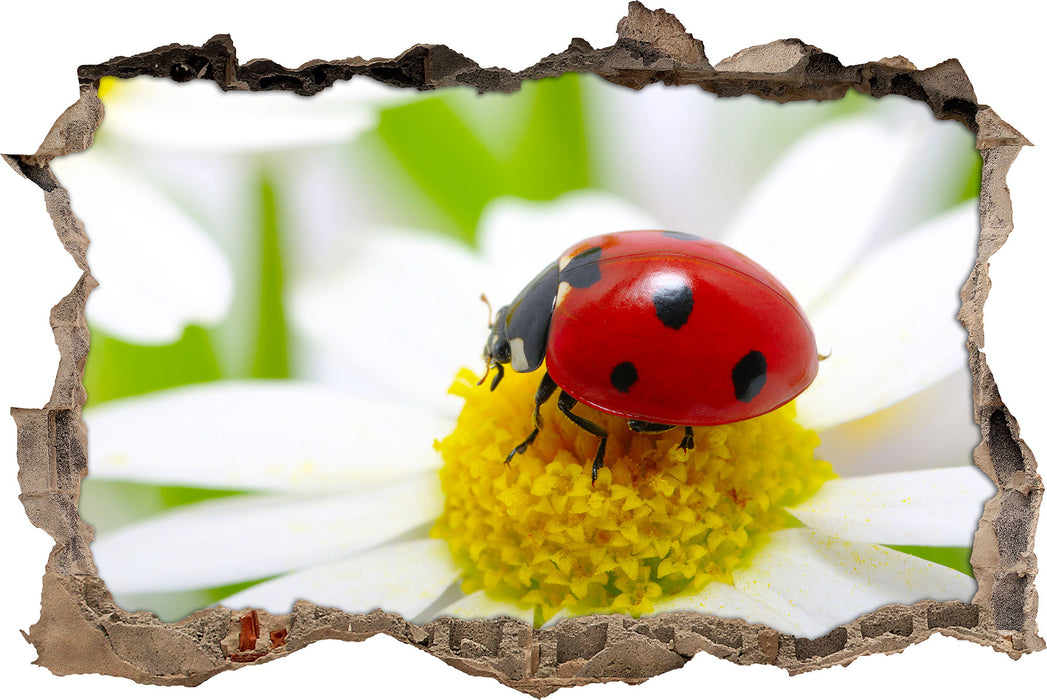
[42,44]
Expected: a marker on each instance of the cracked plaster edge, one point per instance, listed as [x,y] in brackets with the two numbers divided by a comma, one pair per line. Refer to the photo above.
[82,631]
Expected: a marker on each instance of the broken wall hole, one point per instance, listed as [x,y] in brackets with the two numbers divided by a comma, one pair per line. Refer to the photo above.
[652,47]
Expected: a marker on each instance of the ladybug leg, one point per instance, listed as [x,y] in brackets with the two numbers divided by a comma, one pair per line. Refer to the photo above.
[642,426]
[499,372]
[565,404]
[688,439]
[545,391]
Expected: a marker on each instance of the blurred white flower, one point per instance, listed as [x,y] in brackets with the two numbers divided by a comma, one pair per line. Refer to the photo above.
[199,117]
[142,248]
[144,245]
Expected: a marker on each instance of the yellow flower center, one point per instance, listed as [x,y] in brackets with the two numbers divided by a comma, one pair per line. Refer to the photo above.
[659,521]
[107,87]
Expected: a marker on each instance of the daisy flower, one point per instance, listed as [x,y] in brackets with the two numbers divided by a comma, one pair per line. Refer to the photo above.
[356,510]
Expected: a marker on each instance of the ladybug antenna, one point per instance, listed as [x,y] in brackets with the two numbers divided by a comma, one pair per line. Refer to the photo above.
[822,357]
[490,323]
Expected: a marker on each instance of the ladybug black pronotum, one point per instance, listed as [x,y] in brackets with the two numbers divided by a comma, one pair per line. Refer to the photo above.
[665,329]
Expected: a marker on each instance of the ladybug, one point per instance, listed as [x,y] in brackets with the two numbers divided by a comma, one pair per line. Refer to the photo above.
[665,329]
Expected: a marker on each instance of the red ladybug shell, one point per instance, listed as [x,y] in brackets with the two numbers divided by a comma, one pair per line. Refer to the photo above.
[671,328]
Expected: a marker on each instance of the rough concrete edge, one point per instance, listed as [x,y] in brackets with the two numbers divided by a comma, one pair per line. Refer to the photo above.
[82,631]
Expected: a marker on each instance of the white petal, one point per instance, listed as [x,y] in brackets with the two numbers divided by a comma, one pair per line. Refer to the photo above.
[479,605]
[820,582]
[924,431]
[891,325]
[816,209]
[656,149]
[937,163]
[727,602]
[518,238]
[198,116]
[402,312]
[157,270]
[404,578]
[279,435]
[243,538]
[933,507]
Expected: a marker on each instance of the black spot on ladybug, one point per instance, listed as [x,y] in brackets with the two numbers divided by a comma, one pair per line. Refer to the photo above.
[623,376]
[681,236]
[583,270]
[749,376]
[673,302]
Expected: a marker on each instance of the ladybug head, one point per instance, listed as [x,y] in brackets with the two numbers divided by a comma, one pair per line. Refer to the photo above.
[520,330]
[497,351]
